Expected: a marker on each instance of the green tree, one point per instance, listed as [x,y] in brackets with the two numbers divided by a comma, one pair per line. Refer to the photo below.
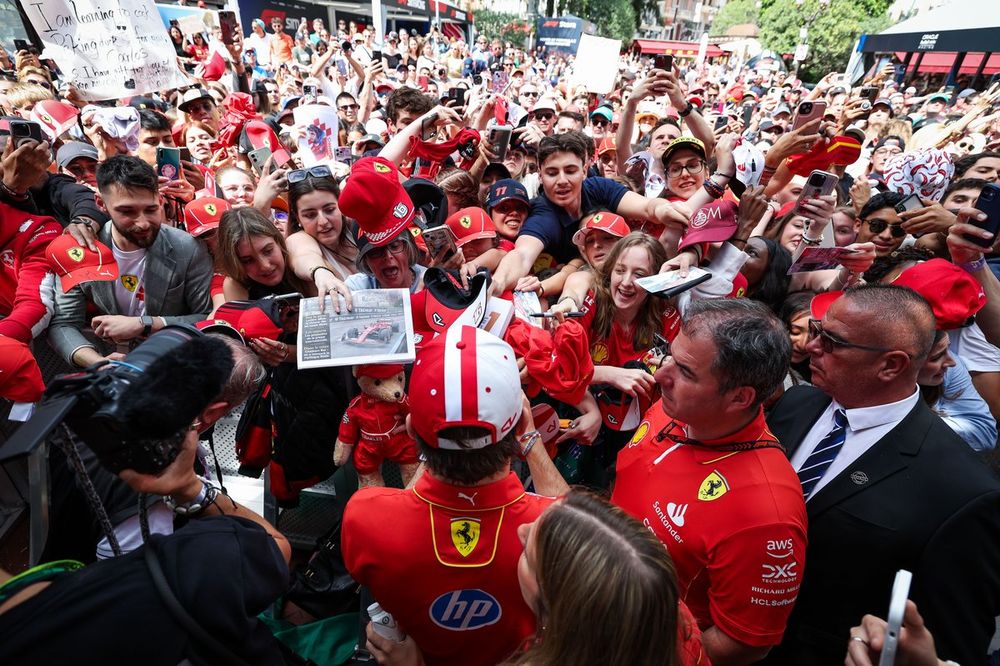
[508,27]
[831,35]
[733,13]
[614,19]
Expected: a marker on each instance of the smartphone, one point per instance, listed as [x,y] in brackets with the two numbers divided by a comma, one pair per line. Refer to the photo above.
[721,121]
[258,157]
[185,153]
[664,62]
[346,45]
[894,621]
[228,26]
[24,131]
[911,202]
[422,81]
[310,90]
[819,184]
[342,66]
[499,137]
[429,131]
[21,45]
[808,111]
[499,82]
[747,114]
[988,202]
[168,162]
[869,93]
[457,94]
[440,240]
[377,57]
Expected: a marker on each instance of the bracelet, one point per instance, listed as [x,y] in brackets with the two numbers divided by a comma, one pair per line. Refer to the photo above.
[811,241]
[312,271]
[541,289]
[686,111]
[12,194]
[714,189]
[527,441]
[730,176]
[974,266]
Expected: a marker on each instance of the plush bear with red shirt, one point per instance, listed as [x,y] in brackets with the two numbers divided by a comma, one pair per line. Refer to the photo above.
[374,426]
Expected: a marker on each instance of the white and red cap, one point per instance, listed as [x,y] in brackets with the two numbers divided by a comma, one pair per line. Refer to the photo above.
[465,377]
[610,223]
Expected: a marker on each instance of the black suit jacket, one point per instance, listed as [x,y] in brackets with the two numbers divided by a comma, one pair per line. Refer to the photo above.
[919,499]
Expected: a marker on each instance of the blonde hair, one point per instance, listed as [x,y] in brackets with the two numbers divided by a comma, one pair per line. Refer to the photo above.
[607,589]
[23,95]
[650,318]
[23,73]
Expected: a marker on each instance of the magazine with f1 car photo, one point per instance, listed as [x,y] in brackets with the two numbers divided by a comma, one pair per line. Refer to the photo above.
[378,329]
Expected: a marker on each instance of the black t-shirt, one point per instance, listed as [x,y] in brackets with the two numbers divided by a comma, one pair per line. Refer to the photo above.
[392,60]
[223,570]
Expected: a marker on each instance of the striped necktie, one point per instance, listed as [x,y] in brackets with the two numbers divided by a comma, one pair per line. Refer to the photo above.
[824,454]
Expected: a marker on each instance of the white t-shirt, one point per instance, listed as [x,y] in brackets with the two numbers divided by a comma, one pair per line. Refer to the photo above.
[978,354]
[262,45]
[129,290]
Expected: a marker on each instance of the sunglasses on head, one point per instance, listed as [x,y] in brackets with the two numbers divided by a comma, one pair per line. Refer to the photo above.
[319,171]
[878,226]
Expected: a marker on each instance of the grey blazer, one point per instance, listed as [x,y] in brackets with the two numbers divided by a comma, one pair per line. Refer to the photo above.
[177,283]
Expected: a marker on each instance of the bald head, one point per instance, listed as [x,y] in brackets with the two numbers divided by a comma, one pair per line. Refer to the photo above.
[900,318]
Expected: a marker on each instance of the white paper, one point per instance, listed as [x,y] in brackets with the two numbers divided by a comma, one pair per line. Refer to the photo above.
[596,64]
[669,280]
[107,49]
[318,143]
[378,329]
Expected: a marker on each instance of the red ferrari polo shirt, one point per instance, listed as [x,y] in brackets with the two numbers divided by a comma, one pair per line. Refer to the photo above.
[442,560]
[733,520]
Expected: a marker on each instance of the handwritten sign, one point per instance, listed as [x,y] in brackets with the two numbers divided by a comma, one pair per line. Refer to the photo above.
[596,63]
[107,49]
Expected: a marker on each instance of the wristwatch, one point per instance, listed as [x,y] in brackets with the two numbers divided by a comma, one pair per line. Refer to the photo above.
[205,496]
[686,111]
[147,325]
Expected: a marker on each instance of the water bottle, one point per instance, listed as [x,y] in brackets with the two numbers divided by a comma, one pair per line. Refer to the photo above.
[384,624]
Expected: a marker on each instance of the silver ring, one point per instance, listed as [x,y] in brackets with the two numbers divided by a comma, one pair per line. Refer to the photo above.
[860,640]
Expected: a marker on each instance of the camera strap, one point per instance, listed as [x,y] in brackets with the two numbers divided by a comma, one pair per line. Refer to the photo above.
[201,638]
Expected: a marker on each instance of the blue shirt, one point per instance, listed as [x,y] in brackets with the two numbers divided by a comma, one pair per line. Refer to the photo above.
[552,225]
[964,410]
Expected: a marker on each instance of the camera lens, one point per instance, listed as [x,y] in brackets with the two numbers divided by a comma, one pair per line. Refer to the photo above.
[806,107]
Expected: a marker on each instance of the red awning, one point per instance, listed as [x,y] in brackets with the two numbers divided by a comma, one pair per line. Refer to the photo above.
[655,46]
[935,62]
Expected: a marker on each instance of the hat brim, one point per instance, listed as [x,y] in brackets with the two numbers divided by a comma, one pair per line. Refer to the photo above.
[713,235]
[105,273]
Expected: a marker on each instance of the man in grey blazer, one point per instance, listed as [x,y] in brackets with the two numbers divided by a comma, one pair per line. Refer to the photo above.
[164,272]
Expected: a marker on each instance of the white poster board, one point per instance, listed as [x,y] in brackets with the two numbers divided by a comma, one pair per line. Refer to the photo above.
[107,49]
[318,140]
[596,64]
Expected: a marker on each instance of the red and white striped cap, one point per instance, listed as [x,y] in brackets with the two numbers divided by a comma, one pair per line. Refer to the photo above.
[465,377]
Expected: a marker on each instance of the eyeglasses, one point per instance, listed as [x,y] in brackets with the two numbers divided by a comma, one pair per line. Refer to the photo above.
[320,171]
[349,107]
[878,226]
[544,115]
[828,340]
[396,247]
[195,107]
[529,93]
[892,150]
[695,168]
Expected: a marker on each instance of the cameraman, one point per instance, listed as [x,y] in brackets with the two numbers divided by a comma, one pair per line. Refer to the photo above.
[224,567]
[73,530]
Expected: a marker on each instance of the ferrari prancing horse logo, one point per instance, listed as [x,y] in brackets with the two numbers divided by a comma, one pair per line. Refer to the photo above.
[130,282]
[465,534]
[75,253]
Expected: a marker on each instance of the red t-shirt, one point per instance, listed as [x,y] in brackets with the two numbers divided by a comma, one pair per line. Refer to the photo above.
[734,522]
[618,348]
[442,560]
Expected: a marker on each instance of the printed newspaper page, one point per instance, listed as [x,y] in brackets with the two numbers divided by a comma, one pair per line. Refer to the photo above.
[379,329]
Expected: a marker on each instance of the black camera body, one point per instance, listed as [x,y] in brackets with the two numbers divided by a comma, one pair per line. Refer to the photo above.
[97,404]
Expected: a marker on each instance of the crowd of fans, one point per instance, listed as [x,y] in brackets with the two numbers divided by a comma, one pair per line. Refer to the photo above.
[754,457]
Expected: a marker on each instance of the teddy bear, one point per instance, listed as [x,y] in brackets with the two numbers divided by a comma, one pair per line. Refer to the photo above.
[374,426]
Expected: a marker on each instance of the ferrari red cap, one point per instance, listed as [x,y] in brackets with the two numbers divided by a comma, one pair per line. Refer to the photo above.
[607,222]
[74,263]
[822,302]
[469,224]
[203,215]
[954,295]
[465,377]
[376,199]
[712,223]
[378,370]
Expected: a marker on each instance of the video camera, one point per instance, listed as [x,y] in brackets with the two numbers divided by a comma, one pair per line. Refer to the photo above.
[98,406]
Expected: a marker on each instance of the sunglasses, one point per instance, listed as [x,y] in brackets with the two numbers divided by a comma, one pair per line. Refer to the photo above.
[544,115]
[528,93]
[878,226]
[299,175]
[828,341]
[349,107]
[599,122]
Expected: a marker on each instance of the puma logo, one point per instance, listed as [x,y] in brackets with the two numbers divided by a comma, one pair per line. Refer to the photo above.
[472,498]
